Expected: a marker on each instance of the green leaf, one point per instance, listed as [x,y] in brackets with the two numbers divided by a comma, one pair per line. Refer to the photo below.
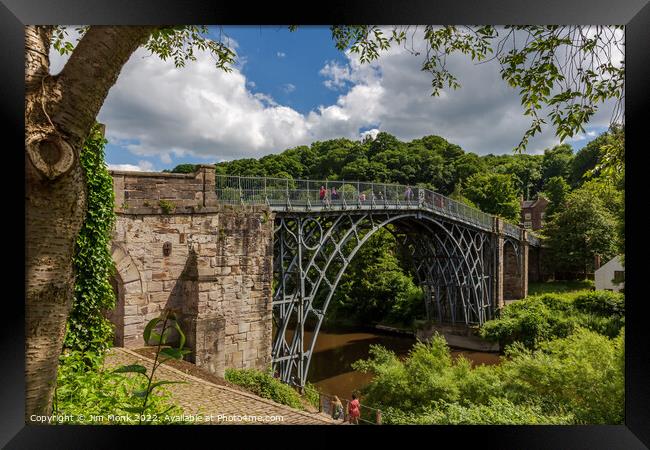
[147,330]
[140,393]
[172,353]
[181,334]
[160,383]
[132,368]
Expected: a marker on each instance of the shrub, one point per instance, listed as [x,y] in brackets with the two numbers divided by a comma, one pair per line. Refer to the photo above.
[85,389]
[603,303]
[497,412]
[312,395]
[166,206]
[264,385]
[530,321]
[577,379]
[551,316]
[582,373]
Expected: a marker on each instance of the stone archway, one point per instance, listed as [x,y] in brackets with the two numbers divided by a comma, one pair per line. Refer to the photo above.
[130,296]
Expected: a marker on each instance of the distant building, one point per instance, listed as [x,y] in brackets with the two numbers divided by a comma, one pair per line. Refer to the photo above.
[533,213]
[610,276]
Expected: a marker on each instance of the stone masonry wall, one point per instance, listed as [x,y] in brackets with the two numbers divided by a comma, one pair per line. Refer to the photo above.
[217,275]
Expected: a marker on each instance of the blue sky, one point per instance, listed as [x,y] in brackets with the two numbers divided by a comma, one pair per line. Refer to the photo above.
[293,88]
[276,59]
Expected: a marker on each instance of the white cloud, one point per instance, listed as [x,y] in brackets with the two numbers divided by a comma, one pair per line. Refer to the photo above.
[337,76]
[281,54]
[372,133]
[155,109]
[288,88]
[143,166]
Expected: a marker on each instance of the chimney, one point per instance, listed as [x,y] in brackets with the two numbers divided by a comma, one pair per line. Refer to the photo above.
[596,262]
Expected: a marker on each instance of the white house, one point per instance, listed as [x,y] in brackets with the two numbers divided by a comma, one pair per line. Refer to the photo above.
[609,273]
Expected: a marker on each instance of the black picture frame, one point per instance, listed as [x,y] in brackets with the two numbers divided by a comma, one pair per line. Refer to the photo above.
[635,14]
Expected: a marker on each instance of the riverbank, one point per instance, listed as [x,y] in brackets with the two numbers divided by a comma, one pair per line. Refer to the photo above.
[459,337]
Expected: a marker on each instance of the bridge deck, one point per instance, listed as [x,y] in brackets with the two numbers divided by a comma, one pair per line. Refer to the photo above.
[296,196]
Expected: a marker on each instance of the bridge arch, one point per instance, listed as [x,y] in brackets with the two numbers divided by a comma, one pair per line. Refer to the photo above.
[314,251]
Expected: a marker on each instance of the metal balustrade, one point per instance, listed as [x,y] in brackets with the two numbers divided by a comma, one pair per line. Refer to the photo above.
[283,194]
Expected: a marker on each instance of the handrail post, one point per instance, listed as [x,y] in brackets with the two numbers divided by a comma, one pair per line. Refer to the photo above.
[266,196]
[241,194]
[358,193]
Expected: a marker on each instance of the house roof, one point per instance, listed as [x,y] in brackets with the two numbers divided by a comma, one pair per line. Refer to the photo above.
[532,203]
[614,263]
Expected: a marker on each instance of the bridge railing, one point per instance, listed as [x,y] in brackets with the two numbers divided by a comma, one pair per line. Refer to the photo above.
[342,194]
[511,230]
[533,240]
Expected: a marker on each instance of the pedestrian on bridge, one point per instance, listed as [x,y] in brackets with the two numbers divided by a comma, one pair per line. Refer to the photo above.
[337,409]
[354,410]
[408,194]
[321,194]
[335,195]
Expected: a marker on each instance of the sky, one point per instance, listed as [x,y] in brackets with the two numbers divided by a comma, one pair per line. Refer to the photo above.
[293,88]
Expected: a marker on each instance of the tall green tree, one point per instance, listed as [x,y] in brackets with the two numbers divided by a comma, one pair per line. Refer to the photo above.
[557,162]
[494,194]
[555,191]
[580,230]
[586,160]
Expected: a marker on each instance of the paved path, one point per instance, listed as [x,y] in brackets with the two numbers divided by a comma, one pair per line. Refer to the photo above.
[221,403]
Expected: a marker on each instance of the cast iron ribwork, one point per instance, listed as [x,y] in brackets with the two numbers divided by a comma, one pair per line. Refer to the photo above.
[452,246]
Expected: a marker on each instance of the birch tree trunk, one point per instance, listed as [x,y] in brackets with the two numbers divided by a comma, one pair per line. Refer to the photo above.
[59,113]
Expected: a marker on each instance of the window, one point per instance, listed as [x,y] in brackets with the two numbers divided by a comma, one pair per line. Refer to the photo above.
[527,216]
[528,225]
[619,276]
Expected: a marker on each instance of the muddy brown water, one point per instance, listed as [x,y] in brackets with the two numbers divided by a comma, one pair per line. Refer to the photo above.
[330,369]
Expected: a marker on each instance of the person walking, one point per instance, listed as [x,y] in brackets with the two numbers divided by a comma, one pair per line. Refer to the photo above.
[408,194]
[337,409]
[335,195]
[354,410]
[321,194]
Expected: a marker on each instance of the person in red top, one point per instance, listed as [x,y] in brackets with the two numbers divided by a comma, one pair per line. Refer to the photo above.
[321,194]
[354,410]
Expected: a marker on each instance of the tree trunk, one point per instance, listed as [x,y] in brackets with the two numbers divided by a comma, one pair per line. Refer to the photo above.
[59,113]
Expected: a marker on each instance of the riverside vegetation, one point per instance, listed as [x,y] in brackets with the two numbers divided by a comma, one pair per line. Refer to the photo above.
[563,363]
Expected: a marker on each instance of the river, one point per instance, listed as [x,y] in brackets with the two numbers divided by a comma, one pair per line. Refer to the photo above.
[336,350]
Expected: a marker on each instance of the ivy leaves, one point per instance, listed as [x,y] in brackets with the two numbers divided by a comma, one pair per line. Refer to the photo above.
[87,328]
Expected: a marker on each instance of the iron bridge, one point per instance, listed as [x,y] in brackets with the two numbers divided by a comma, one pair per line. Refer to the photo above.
[454,249]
